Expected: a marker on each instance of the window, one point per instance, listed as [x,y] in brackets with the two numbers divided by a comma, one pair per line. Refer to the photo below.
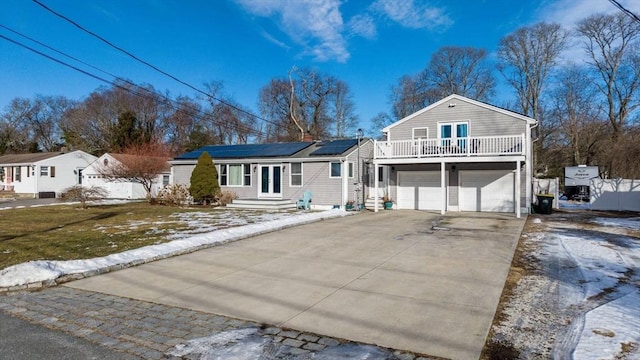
[44,171]
[165,180]
[380,173]
[336,170]
[247,174]
[350,170]
[420,133]
[235,175]
[295,174]
[16,174]
[454,134]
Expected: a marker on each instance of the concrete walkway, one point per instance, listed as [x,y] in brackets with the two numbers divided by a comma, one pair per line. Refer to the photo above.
[390,279]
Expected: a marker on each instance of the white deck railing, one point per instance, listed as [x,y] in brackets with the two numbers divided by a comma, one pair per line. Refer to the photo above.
[468,146]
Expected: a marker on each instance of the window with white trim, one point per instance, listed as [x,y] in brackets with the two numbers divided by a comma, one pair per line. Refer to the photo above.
[295,174]
[165,180]
[420,133]
[235,175]
[351,167]
[454,134]
[336,169]
[44,171]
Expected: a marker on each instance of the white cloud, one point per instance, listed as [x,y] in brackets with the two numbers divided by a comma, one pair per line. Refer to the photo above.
[414,14]
[315,24]
[569,12]
[362,25]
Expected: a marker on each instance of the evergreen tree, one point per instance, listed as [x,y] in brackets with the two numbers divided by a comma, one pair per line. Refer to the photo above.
[204,180]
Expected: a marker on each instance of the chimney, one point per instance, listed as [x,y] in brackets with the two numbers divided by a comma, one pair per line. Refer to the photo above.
[307,137]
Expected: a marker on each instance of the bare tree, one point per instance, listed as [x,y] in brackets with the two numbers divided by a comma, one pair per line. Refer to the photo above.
[92,124]
[15,136]
[83,194]
[139,163]
[527,57]
[579,116]
[409,95]
[451,70]
[342,111]
[611,42]
[459,70]
[318,104]
[379,122]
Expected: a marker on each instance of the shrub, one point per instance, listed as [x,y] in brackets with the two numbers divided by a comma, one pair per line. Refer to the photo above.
[225,197]
[174,194]
[204,180]
[83,194]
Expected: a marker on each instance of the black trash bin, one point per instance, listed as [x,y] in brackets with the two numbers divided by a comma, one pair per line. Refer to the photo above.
[545,203]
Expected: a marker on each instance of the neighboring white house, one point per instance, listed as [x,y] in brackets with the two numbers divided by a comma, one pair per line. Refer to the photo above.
[44,174]
[121,189]
[457,154]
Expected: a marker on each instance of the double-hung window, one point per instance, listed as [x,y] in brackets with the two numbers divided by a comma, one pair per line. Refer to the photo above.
[420,133]
[454,134]
[235,175]
[295,174]
[336,169]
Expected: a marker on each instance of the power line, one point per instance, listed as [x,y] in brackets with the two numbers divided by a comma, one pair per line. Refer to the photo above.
[244,127]
[625,10]
[148,64]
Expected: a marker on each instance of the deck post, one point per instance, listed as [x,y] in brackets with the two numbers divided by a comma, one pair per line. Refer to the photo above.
[375,186]
[443,188]
[518,189]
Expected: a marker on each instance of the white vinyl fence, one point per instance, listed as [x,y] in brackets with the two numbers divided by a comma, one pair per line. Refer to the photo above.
[547,186]
[615,194]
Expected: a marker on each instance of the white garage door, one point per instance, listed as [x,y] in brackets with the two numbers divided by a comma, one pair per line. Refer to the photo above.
[419,190]
[487,190]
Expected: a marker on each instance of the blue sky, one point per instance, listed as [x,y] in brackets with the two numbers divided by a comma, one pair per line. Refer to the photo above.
[245,43]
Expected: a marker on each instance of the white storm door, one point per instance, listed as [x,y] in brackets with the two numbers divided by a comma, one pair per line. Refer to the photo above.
[270,181]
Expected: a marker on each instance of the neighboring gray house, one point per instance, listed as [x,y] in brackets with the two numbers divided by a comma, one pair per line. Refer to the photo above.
[457,154]
[284,171]
[44,174]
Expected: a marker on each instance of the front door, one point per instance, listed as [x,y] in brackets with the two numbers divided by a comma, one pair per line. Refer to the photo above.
[270,181]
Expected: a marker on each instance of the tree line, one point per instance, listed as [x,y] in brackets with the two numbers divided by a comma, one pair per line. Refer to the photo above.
[587,110]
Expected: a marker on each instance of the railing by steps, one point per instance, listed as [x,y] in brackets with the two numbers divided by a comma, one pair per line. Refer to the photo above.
[451,147]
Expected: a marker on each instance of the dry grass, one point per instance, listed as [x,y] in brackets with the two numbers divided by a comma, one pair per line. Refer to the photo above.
[65,232]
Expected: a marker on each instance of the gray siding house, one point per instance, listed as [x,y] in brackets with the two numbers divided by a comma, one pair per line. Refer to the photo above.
[284,171]
[457,154]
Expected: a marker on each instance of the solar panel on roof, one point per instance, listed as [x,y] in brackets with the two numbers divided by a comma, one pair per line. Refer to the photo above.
[335,147]
[247,150]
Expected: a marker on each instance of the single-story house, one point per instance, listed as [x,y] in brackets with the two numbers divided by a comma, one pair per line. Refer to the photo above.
[331,170]
[44,174]
[457,154]
[122,189]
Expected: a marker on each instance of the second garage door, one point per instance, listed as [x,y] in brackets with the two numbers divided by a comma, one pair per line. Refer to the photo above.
[419,190]
[487,190]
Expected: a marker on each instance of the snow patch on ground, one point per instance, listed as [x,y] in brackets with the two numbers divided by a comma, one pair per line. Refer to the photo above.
[43,270]
[581,297]
[248,344]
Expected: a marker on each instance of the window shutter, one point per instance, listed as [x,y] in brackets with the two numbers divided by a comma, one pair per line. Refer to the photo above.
[52,171]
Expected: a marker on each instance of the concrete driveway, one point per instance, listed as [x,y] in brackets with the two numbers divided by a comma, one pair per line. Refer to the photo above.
[386,278]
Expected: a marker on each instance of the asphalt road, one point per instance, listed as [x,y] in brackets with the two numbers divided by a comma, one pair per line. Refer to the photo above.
[10,203]
[20,339]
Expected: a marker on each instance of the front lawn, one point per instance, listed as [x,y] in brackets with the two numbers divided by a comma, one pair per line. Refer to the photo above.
[65,232]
